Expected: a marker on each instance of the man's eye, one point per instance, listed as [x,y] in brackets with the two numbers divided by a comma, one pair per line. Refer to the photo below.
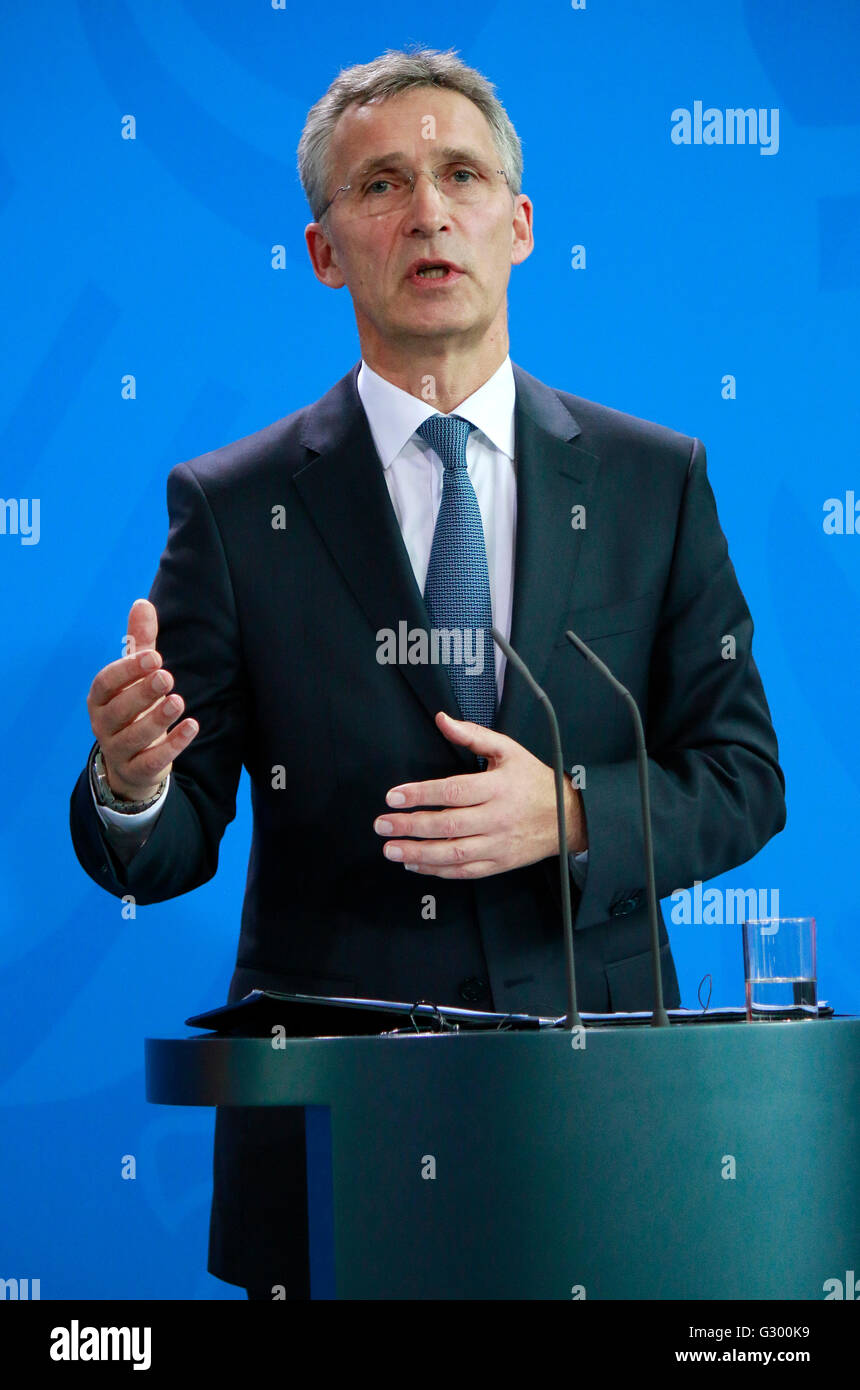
[375,186]
[470,172]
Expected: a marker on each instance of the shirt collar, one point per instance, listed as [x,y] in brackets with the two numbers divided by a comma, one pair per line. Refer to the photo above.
[394,415]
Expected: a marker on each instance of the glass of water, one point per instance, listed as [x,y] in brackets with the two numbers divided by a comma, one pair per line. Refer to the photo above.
[779,968]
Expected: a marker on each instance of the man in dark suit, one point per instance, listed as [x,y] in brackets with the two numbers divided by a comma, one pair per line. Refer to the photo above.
[399,850]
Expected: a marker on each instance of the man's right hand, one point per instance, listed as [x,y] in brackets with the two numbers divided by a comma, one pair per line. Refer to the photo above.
[130,708]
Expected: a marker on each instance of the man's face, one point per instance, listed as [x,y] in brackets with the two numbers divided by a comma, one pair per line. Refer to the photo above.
[371,254]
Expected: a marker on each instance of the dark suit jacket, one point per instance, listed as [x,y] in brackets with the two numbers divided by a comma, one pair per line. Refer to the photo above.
[285,560]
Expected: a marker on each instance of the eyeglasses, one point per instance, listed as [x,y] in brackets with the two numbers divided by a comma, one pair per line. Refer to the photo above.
[390,190]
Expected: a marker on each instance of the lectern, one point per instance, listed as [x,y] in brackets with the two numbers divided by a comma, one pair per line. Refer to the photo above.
[703,1161]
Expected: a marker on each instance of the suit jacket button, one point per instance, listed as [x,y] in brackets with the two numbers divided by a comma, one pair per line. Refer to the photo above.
[473,989]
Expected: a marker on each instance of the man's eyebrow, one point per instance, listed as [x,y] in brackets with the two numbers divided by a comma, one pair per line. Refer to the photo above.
[379,161]
[449,153]
[468,156]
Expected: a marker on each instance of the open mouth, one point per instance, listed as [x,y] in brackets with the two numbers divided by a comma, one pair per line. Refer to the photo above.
[431,273]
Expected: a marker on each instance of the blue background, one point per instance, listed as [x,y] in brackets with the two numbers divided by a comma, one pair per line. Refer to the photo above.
[153,257]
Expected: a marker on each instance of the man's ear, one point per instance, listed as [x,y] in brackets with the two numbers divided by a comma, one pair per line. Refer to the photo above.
[323,257]
[523,236]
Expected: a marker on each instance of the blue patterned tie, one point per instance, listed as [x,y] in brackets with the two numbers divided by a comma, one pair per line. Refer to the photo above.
[457,588]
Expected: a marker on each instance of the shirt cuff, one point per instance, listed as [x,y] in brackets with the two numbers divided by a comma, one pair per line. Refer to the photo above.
[578,866]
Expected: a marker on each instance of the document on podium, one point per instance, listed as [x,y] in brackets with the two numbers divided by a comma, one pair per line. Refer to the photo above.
[313,1016]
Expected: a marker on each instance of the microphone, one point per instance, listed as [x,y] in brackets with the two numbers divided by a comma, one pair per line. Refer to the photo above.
[660,1018]
[573,1018]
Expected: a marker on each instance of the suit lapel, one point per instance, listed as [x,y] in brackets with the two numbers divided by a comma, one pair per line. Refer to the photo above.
[346,495]
[344,490]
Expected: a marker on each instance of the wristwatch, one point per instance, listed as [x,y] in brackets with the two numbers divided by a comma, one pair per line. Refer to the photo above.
[106,797]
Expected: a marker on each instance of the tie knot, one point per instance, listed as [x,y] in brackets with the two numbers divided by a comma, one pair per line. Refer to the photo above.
[447,434]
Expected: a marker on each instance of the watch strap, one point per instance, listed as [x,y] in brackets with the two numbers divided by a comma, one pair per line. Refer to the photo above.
[107,797]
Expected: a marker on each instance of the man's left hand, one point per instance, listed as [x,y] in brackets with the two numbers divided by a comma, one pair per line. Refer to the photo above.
[490,821]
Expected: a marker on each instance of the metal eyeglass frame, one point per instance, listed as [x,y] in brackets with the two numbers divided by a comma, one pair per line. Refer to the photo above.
[345,187]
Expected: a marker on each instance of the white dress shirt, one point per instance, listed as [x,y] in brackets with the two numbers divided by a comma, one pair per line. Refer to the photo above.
[413,474]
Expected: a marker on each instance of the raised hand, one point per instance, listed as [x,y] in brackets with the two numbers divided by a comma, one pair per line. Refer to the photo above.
[130,709]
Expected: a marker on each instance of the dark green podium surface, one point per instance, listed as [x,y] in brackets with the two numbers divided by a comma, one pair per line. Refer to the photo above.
[694,1162]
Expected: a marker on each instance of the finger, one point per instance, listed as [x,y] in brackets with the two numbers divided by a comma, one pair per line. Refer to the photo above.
[114,677]
[123,746]
[487,742]
[441,854]
[475,868]
[472,789]
[436,825]
[133,701]
[148,766]
[142,627]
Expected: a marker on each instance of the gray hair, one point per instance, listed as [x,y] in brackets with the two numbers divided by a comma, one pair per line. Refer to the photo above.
[394,72]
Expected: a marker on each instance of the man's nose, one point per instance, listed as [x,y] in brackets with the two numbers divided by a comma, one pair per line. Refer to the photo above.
[428,207]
